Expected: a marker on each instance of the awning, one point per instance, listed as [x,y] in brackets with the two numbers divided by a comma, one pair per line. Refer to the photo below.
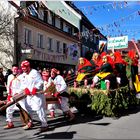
[64,11]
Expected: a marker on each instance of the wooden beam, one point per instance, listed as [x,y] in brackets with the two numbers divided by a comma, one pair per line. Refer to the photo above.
[14,4]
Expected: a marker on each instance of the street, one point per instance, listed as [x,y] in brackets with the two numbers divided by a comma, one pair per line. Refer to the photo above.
[85,54]
[84,127]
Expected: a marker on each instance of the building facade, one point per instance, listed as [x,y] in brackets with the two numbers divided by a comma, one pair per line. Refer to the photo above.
[53,34]
[45,39]
[89,35]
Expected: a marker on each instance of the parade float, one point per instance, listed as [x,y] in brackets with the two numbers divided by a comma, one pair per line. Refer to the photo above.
[103,101]
[100,100]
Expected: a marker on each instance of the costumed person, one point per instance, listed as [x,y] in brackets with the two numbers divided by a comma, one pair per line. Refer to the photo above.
[50,107]
[13,88]
[32,85]
[85,69]
[95,59]
[45,76]
[61,93]
[106,74]
[120,69]
[137,82]
[111,54]
[96,62]
[132,71]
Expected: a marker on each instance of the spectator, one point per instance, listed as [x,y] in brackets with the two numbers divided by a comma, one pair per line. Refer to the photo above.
[13,87]
[9,71]
[2,84]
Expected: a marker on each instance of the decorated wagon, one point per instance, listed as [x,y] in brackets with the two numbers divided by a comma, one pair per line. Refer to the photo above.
[108,97]
[103,102]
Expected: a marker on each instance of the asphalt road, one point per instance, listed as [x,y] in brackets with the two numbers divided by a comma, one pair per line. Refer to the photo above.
[84,127]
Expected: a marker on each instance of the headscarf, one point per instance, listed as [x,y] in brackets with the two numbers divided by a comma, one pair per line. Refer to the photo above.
[85,63]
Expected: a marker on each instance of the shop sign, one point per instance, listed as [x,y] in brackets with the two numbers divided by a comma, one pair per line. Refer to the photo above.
[26,51]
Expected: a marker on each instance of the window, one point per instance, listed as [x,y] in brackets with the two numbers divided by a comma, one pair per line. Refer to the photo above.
[27,36]
[84,50]
[57,22]
[50,44]
[58,47]
[67,28]
[40,41]
[84,29]
[41,14]
[45,16]
[50,18]
[64,48]
[72,31]
[95,39]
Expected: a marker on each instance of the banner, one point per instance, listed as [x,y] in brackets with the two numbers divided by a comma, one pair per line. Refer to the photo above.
[73,51]
[117,42]
[65,11]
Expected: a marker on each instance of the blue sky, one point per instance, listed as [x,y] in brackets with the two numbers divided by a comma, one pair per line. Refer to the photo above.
[113,18]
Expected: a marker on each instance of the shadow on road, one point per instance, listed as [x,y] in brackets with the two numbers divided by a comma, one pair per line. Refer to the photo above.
[104,124]
[132,110]
[62,121]
[58,135]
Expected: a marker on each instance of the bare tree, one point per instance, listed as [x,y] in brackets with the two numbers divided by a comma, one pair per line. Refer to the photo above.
[6,35]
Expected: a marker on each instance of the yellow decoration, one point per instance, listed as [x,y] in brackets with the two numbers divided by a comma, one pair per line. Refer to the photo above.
[102,74]
[137,84]
[81,76]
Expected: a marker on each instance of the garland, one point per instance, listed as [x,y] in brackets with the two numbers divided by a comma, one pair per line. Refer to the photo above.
[108,103]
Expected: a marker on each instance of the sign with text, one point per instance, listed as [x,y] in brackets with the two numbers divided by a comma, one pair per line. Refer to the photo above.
[117,42]
[26,51]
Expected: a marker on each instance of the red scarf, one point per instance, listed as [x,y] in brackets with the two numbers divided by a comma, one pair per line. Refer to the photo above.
[86,63]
